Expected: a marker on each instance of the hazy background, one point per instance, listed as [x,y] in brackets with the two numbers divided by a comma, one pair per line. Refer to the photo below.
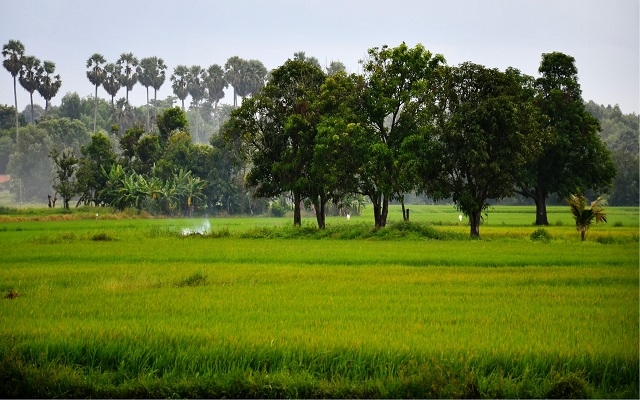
[602,35]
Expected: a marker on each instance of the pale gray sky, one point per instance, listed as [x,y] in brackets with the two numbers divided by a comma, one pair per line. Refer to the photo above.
[602,35]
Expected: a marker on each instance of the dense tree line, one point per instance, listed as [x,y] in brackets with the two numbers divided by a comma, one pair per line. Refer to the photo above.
[321,136]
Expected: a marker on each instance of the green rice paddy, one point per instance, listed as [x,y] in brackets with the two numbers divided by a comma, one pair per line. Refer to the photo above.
[117,307]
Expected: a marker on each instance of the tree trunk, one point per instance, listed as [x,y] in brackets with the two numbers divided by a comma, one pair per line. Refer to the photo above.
[15,100]
[474,222]
[385,210]
[297,218]
[33,120]
[377,210]
[95,111]
[541,207]
[148,109]
[319,206]
[405,214]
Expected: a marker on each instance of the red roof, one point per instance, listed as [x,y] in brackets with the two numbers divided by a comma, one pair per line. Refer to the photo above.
[5,178]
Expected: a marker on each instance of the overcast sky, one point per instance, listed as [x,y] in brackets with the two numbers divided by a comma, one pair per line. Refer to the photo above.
[602,35]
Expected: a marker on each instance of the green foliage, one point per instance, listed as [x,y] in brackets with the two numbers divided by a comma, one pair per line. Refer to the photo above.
[584,214]
[541,235]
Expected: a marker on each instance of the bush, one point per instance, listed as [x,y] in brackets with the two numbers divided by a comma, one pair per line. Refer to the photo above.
[540,235]
[277,210]
[197,279]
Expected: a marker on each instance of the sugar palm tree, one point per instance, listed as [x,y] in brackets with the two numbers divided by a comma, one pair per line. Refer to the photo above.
[128,77]
[111,84]
[96,76]
[179,85]
[111,81]
[215,83]
[29,78]
[151,73]
[233,74]
[13,52]
[49,84]
[585,215]
[196,79]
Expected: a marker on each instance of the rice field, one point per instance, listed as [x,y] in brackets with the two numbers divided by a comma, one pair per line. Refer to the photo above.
[109,307]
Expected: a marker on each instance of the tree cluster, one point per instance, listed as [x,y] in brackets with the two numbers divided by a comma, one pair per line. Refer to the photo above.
[410,123]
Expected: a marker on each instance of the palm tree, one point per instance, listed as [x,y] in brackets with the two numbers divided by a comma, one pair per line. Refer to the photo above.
[233,74]
[585,215]
[179,85]
[196,78]
[13,52]
[129,77]
[215,84]
[29,78]
[49,84]
[253,77]
[151,73]
[111,81]
[96,76]
[111,84]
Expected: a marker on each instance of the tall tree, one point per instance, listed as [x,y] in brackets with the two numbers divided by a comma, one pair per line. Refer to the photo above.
[129,77]
[278,126]
[254,75]
[29,78]
[486,130]
[96,75]
[233,74]
[180,83]
[575,157]
[152,73]
[13,52]
[49,84]
[396,92]
[111,81]
[215,84]
[196,85]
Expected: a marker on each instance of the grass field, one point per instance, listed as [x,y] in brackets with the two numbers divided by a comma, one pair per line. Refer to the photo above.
[119,307]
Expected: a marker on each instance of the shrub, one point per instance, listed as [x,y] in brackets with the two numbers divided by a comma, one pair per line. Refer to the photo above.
[196,279]
[277,210]
[540,235]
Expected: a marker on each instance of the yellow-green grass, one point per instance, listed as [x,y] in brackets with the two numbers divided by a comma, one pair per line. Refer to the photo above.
[124,308]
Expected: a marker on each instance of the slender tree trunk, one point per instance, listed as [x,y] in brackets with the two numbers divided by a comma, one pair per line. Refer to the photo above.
[319,206]
[148,109]
[405,215]
[15,100]
[376,200]
[385,211]
[541,207]
[474,222]
[297,217]
[33,120]
[95,112]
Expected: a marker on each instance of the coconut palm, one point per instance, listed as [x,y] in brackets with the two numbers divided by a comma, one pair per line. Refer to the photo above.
[179,85]
[96,76]
[13,52]
[128,77]
[29,78]
[49,84]
[585,215]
